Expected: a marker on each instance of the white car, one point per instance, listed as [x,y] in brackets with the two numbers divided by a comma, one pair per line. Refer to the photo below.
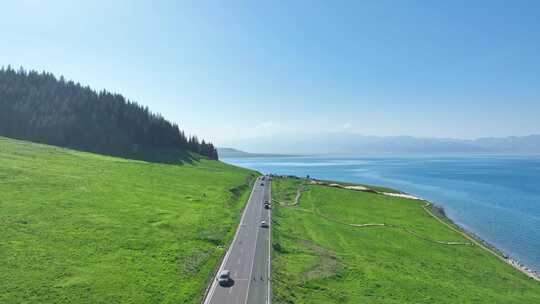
[224,277]
[264,224]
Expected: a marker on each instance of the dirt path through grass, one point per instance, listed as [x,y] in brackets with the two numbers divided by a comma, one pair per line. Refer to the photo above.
[511,262]
[472,240]
[320,257]
[302,187]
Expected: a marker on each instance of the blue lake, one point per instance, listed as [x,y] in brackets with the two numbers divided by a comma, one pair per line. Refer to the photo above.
[496,197]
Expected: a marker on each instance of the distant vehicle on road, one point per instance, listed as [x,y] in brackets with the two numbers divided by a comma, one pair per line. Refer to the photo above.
[262,184]
[264,224]
[224,277]
[266,206]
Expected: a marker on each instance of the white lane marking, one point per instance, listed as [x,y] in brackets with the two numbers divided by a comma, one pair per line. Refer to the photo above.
[225,259]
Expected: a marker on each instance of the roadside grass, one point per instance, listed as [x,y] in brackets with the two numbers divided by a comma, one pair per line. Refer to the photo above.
[318,259]
[284,190]
[77,227]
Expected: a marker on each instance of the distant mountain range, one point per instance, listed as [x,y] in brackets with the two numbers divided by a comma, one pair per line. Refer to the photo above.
[348,143]
[230,152]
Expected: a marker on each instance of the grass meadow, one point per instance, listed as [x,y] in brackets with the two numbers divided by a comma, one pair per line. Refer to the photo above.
[319,258]
[77,227]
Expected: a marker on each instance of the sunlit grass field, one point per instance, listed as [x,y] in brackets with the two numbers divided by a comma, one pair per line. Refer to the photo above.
[84,228]
[318,258]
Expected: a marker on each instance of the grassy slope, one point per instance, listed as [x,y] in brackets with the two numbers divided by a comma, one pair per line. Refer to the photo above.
[83,228]
[318,260]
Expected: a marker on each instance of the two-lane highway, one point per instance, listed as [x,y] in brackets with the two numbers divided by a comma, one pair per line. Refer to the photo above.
[248,258]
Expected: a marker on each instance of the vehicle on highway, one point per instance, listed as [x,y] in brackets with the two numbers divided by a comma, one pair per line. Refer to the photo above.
[264,224]
[266,206]
[224,277]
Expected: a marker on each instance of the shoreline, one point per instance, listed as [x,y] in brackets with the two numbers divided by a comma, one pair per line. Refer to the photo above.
[477,240]
[438,213]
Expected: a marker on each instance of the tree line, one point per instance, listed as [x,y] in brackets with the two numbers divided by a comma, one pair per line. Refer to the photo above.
[42,108]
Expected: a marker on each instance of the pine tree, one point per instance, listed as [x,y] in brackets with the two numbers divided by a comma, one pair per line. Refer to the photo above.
[39,107]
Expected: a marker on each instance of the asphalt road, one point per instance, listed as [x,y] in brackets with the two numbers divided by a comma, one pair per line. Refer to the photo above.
[248,258]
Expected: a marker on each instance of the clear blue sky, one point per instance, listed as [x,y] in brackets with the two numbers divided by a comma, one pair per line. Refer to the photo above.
[232,69]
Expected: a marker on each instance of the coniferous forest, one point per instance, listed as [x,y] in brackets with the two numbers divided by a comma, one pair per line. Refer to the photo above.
[42,108]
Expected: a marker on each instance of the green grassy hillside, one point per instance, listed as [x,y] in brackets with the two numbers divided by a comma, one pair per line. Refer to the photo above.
[320,258]
[83,228]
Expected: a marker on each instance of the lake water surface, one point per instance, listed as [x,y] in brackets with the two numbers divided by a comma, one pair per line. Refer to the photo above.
[496,197]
